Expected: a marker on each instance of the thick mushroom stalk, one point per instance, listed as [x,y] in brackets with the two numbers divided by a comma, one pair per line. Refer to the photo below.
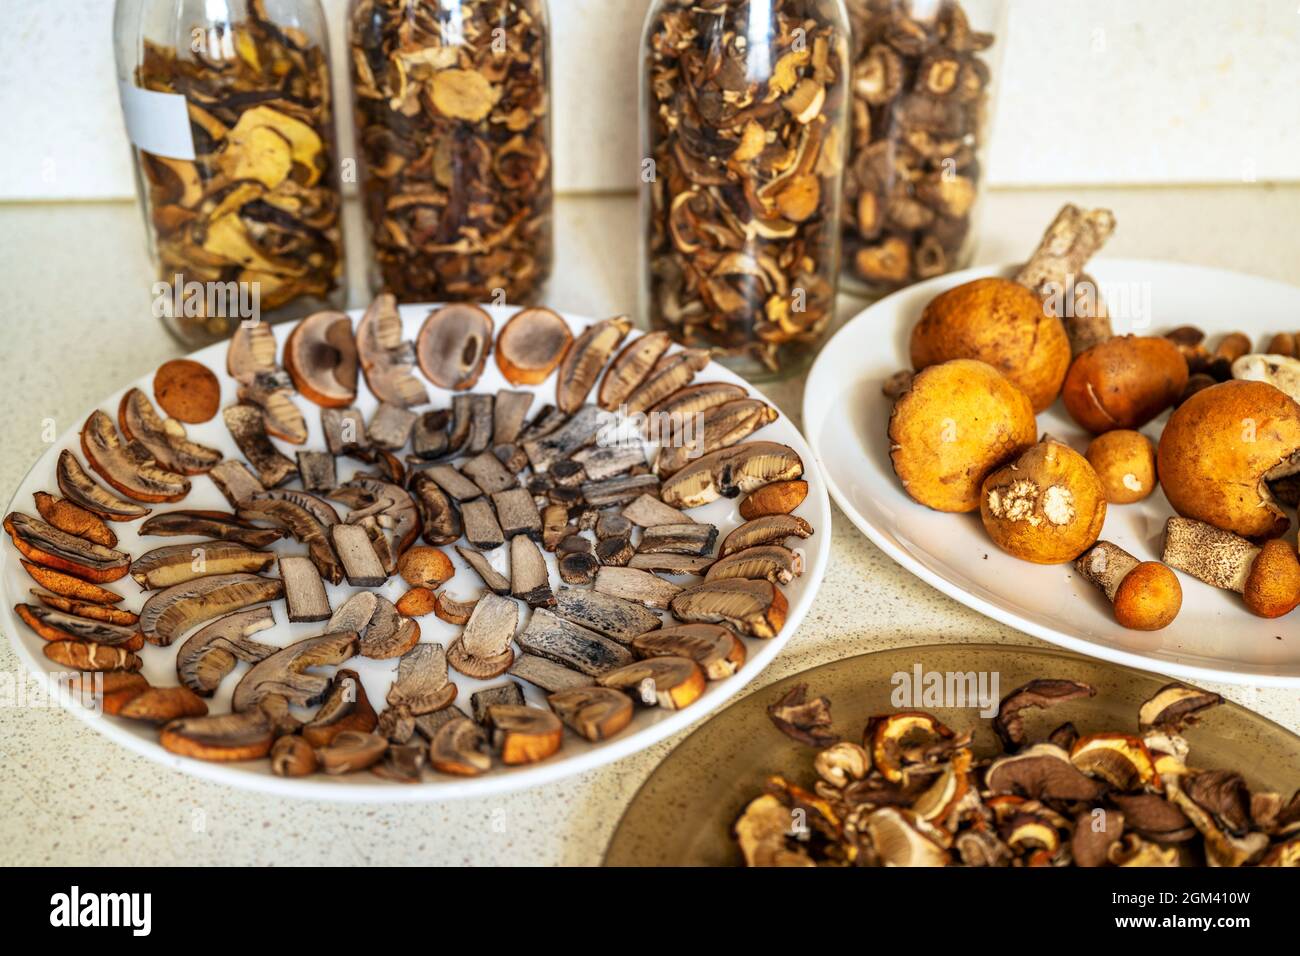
[1146,595]
[1267,577]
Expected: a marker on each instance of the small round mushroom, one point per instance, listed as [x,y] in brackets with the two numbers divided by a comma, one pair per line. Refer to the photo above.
[1146,595]
[1125,461]
[1268,577]
[1124,382]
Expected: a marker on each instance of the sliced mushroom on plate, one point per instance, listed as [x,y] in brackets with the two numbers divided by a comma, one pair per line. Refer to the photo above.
[547,674]
[754,608]
[577,564]
[354,550]
[127,466]
[719,427]
[508,694]
[350,751]
[572,645]
[670,373]
[345,431]
[178,563]
[307,519]
[386,360]
[530,581]
[630,367]
[83,608]
[769,529]
[390,427]
[613,492]
[320,356]
[695,400]
[158,705]
[482,529]
[174,610]
[612,616]
[236,481]
[317,471]
[210,653]
[578,431]
[715,648]
[596,713]
[523,734]
[614,552]
[453,611]
[731,472]
[219,737]
[292,756]
[54,625]
[671,563]
[632,584]
[453,345]
[250,359]
[484,650]
[440,523]
[767,562]
[471,424]
[285,673]
[693,538]
[451,481]
[779,497]
[345,707]
[388,633]
[497,582]
[599,462]
[402,763]
[670,682]
[423,566]
[422,685]
[82,490]
[221,525]
[531,344]
[247,428]
[89,656]
[517,513]
[458,748]
[429,439]
[47,545]
[586,359]
[647,511]
[187,390]
[488,473]
[69,586]
[164,440]
[510,410]
[547,420]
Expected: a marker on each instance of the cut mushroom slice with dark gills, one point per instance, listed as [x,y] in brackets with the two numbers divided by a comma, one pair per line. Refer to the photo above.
[222,738]
[531,344]
[301,516]
[54,625]
[522,734]
[630,367]
[673,371]
[52,548]
[719,427]
[632,584]
[174,610]
[586,359]
[345,707]
[387,361]
[452,610]
[453,345]
[547,674]
[694,538]
[769,529]
[572,645]
[211,524]
[360,563]
[483,650]
[350,751]
[304,591]
[766,562]
[496,582]
[459,747]
[670,682]
[578,432]
[286,673]
[730,472]
[440,523]
[90,656]
[210,653]
[178,563]
[422,685]
[530,581]
[612,616]
[377,504]
[247,428]
[754,608]
[164,440]
[596,713]
[481,527]
[82,490]
[127,466]
[718,651]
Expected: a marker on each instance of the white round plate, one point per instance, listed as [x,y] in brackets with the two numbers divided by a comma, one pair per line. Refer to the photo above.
[845,417]
[649,725]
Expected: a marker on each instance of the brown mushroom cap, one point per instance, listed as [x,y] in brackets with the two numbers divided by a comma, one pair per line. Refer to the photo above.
[320,356]
[999,322]
[957,422]
[1218,449]
[1047,506]
[1124,382]
[1125,461]
[1273,585]
[1150,597]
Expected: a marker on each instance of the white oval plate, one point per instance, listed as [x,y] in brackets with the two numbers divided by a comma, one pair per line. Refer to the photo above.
[649,725]
[845,417]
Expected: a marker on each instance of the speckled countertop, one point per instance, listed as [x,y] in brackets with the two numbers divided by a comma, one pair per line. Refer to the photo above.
[74,323]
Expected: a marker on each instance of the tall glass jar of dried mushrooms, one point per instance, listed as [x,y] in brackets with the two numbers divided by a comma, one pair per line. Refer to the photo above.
[744,131]
[452,101]
[228,110]
[922,98]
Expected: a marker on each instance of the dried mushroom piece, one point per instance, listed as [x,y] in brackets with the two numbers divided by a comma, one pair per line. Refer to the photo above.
[210,653]
[260,201]
[248,429]
[386,359]
[82,490]
[453,123]
[164,440]
[177,563]
[128,466]
[174,610]
[453,344]
[531,344]
[320,356]
[286,672]
[48,546]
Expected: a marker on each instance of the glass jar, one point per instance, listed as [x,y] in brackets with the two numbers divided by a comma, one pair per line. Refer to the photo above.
[922,96]
[453,117]
[228,110]
[744,130]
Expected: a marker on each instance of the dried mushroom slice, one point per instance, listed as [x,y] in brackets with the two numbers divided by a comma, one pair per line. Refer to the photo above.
[637,586]
[769,529]
[48,546]
[158,705]
[422,685]
[250,359]
[248,428]
[357,554]
[219,737]
[164,440]
[548,675]
[84,608]
[351,751]
[510,410]
[236,481]
[54,625]
[531,345]
[690,538]
[89,656]
[174,610]
[768,562]
[612,616]
[497,582]
[458,748]
[715,648]
[80,489]
[529,579]
[586,359]
[524,734]
[210,653]
[453,345]
[630,367]
[571,644]
[345,707]
[596,713]
[388,633]
[178,563]
[670,682]
[440,523]
[730,472]
[285,673]
[672,372]
[186,390]
[723,426]
[692,400]
[484,650]
[320,356]
[754,608]
[128,467]
[292,756]
[307,519]
[211,524]
[68,586]
[386,359]
[304,591]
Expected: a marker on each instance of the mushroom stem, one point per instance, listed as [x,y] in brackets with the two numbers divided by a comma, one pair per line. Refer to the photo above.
[1106,565]
[1217,557]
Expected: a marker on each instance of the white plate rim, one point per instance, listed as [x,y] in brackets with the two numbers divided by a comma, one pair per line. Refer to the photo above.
[814,411]
[439,787]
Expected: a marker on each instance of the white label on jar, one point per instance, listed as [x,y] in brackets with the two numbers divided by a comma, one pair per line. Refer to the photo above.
[157,123]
